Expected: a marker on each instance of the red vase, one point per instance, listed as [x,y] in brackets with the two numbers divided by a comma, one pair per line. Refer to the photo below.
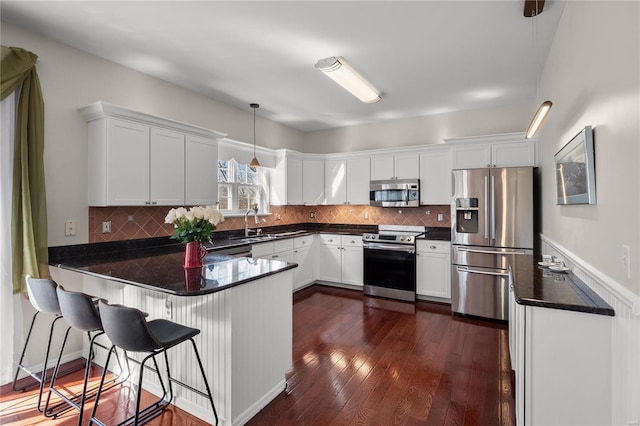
[193,278]
[193,254]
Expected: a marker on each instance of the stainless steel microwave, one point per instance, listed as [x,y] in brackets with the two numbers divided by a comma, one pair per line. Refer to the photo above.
[394,193]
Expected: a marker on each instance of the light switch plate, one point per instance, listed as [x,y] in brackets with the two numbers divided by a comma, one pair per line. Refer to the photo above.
[106,227]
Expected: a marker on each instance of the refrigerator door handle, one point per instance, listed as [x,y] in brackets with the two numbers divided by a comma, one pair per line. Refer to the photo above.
[486,207]
[493,207]
[489,251]
[482,272]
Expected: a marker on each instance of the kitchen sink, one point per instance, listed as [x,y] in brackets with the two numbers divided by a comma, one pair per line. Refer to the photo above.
[267,237]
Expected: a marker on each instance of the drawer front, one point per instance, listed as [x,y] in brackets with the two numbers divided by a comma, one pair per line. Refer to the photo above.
[301,242]
[431,246]
[352,240]
[330,239]
[282,245]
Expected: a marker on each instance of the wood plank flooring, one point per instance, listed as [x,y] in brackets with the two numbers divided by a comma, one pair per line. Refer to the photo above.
[371,361]
[357,360]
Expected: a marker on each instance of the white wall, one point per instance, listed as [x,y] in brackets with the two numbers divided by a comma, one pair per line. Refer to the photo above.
[421,130]
[72,78]
[592,76]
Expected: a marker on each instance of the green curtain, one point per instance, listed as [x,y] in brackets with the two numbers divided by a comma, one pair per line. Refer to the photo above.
[29,207]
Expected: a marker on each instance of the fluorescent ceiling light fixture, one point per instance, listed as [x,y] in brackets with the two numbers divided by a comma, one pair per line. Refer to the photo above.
[538,119]
[350,79]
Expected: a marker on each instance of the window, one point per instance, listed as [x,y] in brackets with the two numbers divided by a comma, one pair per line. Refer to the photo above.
[240,187]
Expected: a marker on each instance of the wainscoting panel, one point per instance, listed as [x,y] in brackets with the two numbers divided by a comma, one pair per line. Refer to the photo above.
[625,344]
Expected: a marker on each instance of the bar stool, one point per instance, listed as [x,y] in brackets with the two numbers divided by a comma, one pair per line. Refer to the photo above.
[128,329]
[43,297]
[80,311]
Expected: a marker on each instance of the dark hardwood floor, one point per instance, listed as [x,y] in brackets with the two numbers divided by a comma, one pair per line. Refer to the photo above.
[359,360]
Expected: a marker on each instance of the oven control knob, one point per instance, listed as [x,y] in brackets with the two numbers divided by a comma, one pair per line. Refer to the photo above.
[401,238]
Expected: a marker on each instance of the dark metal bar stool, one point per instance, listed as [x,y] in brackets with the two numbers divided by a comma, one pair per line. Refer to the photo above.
[43,297]
[80,311]
[128,329]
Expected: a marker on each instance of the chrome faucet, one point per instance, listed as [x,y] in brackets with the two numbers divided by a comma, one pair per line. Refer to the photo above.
[246,223]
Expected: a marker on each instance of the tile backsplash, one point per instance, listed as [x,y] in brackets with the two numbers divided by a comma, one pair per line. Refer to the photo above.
[144,222]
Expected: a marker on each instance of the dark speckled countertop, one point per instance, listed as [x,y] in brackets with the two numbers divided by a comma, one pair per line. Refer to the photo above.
[156,263]
[537,286]
[164,272]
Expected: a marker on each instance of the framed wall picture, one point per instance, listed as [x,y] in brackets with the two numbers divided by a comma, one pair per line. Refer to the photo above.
[575,170]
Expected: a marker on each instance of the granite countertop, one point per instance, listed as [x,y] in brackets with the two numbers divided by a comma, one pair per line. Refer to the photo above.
[537,286]
[437,234]
[164,272]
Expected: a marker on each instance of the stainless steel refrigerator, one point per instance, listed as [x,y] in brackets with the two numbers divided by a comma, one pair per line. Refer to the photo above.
[491,219]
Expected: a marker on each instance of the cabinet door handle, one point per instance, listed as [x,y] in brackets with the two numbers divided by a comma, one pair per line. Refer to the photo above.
[154,202]
[303,242]
[432,247]
[275,256]
[147,202]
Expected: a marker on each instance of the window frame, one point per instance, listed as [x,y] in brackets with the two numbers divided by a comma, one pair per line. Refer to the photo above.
[261,187]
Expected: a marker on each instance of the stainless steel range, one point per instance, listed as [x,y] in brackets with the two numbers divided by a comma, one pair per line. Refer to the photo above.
[390,262]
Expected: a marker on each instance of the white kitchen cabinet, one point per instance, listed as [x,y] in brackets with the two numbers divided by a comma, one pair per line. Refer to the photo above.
[137,159]
[555,354]
[435,176]
[335,181]
[487,154]
[433,269]
[298,250]
[166,168]
[313,181]
[346,181]
[352,260]
[358,177]
[286,179]
[201,171]
[341,259]
[119,164]
[399,166]
[304,256]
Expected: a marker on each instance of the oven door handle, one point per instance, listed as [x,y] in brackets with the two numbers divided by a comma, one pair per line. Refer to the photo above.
[390,247]
[482,272]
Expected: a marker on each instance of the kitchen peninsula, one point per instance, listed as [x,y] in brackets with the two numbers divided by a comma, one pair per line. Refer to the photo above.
[242,306]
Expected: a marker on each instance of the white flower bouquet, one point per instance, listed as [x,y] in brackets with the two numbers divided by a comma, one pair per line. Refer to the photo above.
[195,224]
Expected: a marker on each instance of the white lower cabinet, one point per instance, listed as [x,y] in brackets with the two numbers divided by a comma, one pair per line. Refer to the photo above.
[557,356]
[340,259]
[304,256]
[296,250]
[433,269]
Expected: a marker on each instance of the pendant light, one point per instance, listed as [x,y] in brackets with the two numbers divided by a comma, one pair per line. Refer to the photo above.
[532,9]
[254,160]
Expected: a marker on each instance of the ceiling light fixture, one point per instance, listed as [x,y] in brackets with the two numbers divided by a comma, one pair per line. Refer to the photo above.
[254,161]
[535,8]
[342,73]
[538,119]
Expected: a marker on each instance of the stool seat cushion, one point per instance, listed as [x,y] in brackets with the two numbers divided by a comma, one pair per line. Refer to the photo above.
[169,333]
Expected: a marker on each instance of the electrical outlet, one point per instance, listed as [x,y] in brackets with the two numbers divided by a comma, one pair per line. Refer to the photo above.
[106,227]
[312,215]
[168,309]
[70,228]
[366,215]
[440,217]
[625,259]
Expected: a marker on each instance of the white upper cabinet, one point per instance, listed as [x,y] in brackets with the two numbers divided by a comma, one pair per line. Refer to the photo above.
[313,180]
[201,171]
[119,164]
[335,181]
[509,150]
[358,176]
[286,179]
[166,168]
[136,159]
[399,166]
[435,176]
[346,181]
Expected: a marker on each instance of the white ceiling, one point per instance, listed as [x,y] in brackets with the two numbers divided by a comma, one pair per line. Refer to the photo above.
[427,57]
